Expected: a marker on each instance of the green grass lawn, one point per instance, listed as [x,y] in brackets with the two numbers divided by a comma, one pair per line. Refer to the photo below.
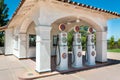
[114,50]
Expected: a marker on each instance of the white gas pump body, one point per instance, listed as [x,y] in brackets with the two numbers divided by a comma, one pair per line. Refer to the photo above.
[77,51]
[91,52]
[62,52]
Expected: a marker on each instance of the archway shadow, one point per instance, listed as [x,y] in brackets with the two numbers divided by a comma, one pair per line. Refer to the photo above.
[85,67]
[110,62]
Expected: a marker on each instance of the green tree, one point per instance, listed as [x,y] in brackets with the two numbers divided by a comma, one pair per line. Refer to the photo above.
[118,42]
[111,42]
[83,31]
[70,40]
[3,13]
[3,19]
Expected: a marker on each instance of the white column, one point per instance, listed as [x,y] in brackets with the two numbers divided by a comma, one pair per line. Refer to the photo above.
[43,53]
[22,46]
[15,48]
[101,46]
[9,41]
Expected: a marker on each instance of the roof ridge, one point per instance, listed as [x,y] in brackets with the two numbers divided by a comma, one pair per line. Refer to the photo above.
[90,7]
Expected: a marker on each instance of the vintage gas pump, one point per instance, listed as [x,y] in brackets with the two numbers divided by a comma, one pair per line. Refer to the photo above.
[91,53]
[77,49]
[62,50]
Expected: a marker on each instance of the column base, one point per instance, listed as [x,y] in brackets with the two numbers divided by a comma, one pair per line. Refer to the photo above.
[76,66]
[43,71]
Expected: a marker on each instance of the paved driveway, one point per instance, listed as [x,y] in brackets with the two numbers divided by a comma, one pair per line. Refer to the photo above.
[104,73]
[11,68]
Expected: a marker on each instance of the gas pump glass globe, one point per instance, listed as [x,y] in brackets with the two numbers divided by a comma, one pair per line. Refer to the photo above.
[93,53]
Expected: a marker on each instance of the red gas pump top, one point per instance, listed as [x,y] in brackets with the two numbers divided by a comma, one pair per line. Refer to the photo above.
[76,28]
[61,27]
[90,30]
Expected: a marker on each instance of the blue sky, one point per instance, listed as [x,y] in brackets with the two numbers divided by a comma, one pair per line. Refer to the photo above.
[112,5]
[12,5]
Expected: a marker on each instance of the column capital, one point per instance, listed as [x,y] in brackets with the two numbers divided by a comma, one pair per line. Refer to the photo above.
[43,28]
[43,32]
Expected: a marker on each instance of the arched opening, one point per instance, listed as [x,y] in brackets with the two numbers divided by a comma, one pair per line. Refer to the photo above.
[27,39]
[31,41]
[70,22]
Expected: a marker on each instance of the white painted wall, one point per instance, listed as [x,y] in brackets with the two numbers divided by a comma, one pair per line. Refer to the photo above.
[9,41]
[2,50]
[15,49]
[43,49]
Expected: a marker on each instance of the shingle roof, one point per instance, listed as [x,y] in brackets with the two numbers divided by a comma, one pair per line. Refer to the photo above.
[73,3]
[90,7]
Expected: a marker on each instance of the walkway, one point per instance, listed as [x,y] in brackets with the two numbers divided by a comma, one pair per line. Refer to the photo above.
[11,68]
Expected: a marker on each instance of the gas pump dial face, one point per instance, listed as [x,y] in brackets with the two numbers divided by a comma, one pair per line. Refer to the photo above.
[64,55]
[78,40]
[93,53]
[79,54]
[79,47]
[64,39]
[92,40]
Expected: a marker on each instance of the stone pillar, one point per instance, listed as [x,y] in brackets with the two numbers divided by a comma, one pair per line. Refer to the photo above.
[22,45]
[101,46]
[43,53]
[9,41]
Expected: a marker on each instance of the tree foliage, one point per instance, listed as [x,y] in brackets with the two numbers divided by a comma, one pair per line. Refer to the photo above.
[118,42]
[111,42]
[3,19]
[3,13]
[83,31]
[70,40]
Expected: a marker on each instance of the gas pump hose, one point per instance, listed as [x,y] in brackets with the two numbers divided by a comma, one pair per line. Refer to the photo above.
[73,56]
[57,64]
[86,50]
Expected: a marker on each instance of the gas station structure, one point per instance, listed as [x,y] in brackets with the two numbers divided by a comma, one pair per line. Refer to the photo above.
[33,26]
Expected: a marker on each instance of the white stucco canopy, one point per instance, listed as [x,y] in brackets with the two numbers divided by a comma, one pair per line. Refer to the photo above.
[42,18]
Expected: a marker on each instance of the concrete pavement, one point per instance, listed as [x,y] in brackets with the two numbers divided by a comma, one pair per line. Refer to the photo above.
[11,68]
[111,72]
